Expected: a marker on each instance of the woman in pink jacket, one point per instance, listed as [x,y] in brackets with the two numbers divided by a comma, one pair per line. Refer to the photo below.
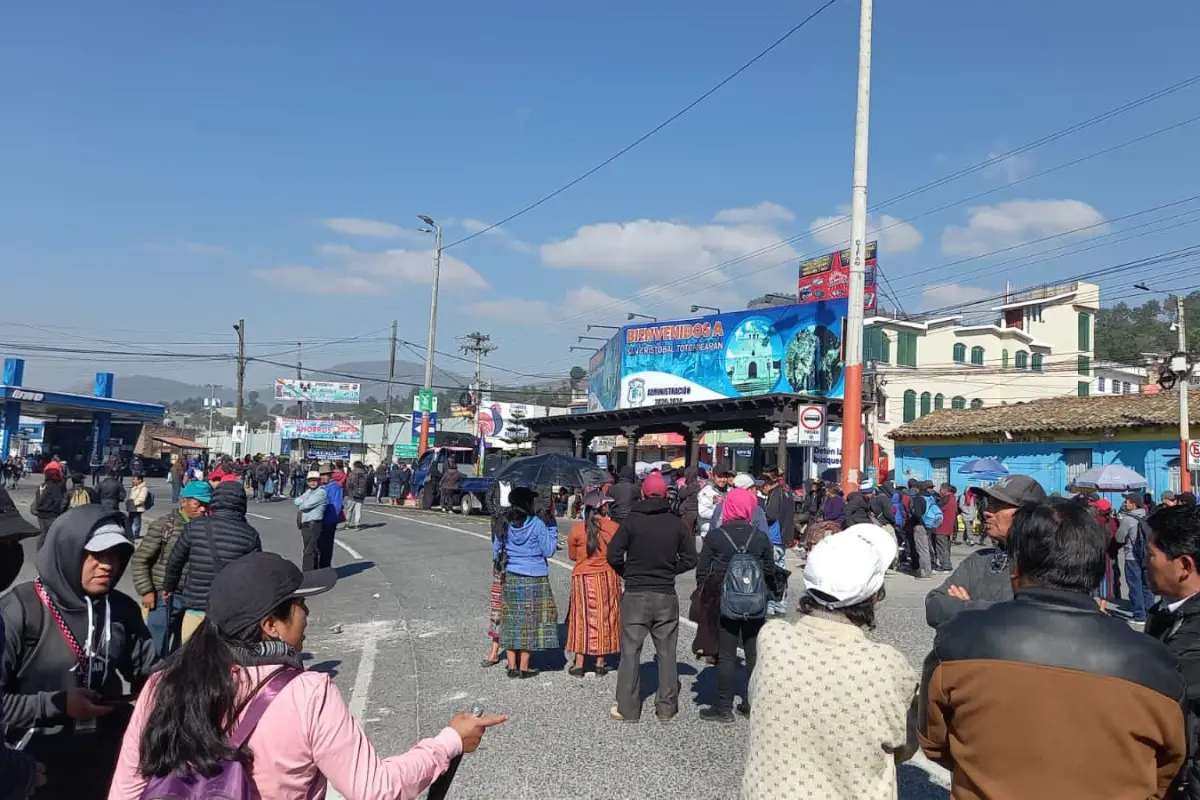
[254,629]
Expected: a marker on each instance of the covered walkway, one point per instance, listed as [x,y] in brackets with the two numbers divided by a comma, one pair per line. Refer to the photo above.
[756,415]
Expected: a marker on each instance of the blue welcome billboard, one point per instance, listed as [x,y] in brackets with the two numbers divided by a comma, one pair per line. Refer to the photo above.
[793,349]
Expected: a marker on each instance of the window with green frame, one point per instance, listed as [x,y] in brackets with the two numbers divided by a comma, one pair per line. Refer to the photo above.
[910,405]
[977,356]
[976,403]
[1085,331]
[926,403]
[1085,365]
[876,345]
[960,353]
[1004,358]
[1021,360]
[958,402]
[1084,389]
[906,349]
[1035,363]
[939,402]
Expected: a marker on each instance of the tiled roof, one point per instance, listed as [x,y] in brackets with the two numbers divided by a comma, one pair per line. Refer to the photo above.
[1054,414]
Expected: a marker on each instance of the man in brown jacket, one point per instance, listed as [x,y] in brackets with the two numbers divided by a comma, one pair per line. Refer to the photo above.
[1045,696]
[164,616]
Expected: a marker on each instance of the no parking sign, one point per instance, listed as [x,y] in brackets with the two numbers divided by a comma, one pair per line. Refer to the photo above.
[811,430]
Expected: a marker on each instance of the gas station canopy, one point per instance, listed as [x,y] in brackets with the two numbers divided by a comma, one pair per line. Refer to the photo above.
[63,405]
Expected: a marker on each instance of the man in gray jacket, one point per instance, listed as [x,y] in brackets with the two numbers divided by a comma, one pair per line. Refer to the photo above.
[983,577]
[1131,535]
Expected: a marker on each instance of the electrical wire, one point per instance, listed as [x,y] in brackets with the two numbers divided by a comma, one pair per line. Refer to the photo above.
[713,90]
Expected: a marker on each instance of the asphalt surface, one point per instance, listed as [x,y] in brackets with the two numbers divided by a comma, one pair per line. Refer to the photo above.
[405,630]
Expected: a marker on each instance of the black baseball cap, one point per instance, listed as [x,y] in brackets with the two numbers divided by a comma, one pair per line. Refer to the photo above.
[723,472]
[11,521]
[247,590]
[1014,490]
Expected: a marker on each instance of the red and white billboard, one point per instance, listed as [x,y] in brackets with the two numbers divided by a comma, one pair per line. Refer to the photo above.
[828,278]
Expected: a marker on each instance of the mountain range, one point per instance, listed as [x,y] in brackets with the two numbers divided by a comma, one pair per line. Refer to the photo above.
[151,389]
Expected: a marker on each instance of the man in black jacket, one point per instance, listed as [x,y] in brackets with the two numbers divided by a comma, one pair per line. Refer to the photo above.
[650,548]
[112,492]
[1173,565]
[624,494]
[72,695]
[206,545]
[19,773]
[50,500]
[780,505]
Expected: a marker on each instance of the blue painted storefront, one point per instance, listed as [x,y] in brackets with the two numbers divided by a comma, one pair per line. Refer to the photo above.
[1154,453]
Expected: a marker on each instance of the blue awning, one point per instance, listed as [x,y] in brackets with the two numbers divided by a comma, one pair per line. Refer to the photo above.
[51,405]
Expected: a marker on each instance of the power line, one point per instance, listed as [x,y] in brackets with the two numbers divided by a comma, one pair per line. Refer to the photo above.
[728,78]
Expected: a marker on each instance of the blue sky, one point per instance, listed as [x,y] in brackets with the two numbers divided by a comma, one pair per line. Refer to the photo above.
[167,168]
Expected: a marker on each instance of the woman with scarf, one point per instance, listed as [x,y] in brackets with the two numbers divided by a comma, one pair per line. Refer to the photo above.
[594,615]
[735,534]
[243,660]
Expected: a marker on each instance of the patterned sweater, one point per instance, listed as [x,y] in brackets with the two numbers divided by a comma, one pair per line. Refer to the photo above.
[830,718]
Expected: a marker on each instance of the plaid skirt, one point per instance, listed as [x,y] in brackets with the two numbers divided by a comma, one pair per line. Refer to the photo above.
[495,604]
[528,616]
[594,616]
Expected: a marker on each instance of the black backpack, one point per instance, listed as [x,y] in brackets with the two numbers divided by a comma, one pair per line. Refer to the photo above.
[1138,545]
[744,589]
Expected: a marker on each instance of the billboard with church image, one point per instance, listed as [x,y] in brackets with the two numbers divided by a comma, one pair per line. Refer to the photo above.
[794,349]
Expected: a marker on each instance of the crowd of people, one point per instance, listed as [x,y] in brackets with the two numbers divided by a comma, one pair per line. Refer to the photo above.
[200,691]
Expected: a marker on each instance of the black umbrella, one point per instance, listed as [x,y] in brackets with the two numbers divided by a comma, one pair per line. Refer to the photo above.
[551,470]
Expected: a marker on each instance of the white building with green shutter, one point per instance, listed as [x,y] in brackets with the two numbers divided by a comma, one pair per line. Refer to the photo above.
[1039,345]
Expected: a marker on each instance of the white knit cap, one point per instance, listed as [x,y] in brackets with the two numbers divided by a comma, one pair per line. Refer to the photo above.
[743,481]
[850,566]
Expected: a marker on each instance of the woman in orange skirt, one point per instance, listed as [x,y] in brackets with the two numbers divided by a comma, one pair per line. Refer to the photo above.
[594,618]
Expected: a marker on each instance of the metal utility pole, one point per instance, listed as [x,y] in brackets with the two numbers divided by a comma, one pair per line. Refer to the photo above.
[299,377]
[387,419]
[1185,382]
[212,405]
[430,341]
[480,345]
[241,376]
[852,421]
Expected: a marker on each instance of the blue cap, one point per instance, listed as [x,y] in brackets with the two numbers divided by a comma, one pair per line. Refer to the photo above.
[198,490]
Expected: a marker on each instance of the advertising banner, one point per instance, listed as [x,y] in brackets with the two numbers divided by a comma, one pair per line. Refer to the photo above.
[320,430]
[316,391]
[604,376]
[828,277]
[792,349]
[328,452]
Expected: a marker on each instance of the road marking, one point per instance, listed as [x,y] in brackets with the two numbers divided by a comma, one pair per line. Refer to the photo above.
[360,692]
[353,553]
[257,516]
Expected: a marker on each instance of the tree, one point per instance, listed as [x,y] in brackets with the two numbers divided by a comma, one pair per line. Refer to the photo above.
[253,396]
[277,410]
[1124,332]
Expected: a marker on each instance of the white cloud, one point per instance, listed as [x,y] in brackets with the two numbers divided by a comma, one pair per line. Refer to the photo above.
[410,266]
[360,272]
[370,228]
[1007,224]
[893,234]
[1010,168]
[652,248]
[765,213]
[512,309]
[951,294]
[184,249]
[311,280]
[474,226]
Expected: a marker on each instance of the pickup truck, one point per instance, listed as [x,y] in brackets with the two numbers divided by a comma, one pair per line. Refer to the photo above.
[473,489]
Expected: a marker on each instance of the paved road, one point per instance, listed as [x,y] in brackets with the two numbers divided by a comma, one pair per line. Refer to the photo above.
[404,631]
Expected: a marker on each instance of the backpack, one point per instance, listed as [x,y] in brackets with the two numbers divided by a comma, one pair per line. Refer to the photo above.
[233,782]
[149,500]
[673,501]
[898,509]
[359,488]
[933,517]
[80,497]
[1138,545]
[744,589]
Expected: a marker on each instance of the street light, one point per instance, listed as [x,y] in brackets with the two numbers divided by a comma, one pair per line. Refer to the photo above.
[593,338]
[1180,365]
[573,348]
[436,230]
[212,404]
[706,308]
[605,327]
[634,315]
